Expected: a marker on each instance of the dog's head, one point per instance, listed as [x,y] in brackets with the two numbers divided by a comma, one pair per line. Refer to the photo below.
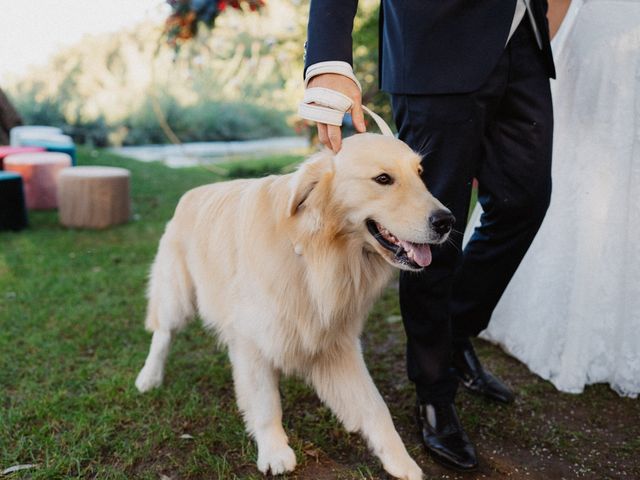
[372,190]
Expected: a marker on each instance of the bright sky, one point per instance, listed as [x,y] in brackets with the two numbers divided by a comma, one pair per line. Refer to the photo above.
[31,31]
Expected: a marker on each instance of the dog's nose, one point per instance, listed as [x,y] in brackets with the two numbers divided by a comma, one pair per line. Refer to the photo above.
[442,221]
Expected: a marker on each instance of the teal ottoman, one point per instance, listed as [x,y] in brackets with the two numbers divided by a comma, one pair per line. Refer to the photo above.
[53,143]
[13,211]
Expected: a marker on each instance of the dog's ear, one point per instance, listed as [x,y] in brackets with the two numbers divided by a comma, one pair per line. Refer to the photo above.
[309,174]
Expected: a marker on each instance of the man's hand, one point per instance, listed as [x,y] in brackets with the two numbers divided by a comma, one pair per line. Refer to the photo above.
[331,135]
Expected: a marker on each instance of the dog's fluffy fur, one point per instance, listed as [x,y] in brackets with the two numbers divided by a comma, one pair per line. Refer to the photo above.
[285,270]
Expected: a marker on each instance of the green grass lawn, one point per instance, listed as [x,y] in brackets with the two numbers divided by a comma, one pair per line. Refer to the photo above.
[72,341]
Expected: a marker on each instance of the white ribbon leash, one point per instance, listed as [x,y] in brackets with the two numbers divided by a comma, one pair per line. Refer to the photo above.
[328,106]
[385,129]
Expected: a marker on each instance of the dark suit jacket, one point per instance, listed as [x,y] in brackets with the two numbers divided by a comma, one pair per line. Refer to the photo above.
[427,46]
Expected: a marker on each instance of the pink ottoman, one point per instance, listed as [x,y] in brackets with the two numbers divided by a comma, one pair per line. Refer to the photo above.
[40,175]
[6,150]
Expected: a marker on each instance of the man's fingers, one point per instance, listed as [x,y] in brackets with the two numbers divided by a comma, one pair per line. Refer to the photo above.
[357,115]
[323,136]
[330,136]
[335,137]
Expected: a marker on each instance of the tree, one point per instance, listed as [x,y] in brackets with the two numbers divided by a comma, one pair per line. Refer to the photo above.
[9,118]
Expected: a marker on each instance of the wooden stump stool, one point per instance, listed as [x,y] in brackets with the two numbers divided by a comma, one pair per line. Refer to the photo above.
[13,211]
[40,175]
[94,197]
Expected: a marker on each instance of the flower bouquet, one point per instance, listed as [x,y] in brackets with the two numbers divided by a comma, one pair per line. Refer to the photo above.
[182,25]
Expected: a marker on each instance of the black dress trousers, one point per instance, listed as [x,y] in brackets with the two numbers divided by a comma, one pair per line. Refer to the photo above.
[500,134]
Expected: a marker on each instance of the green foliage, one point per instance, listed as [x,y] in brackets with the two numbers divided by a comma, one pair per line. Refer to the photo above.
[241,81]
[94,132]
[229,121]
[50,111]
[205,121]
[208,120]
[46,111]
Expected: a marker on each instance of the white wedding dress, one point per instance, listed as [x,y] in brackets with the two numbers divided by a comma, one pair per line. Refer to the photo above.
[572,311]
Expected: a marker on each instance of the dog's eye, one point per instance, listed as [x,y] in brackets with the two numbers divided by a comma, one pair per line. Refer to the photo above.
[383,179]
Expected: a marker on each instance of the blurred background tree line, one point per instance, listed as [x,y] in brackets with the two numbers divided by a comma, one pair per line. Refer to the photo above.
[241,80]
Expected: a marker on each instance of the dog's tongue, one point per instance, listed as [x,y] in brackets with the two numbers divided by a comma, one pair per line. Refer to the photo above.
[419,252]
[422,254]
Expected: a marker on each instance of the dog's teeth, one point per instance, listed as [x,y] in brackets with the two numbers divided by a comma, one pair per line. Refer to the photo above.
[390,237]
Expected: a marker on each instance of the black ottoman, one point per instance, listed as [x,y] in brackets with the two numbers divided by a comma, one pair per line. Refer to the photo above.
[13,211]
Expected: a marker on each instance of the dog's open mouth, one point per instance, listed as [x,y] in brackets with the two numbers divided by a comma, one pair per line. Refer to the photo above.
[413,255]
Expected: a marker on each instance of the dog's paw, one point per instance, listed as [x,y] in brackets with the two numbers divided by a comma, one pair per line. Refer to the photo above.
[278,461]
[409,470]
[148,378]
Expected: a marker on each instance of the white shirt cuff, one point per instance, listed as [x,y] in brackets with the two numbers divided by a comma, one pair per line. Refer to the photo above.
[338,67]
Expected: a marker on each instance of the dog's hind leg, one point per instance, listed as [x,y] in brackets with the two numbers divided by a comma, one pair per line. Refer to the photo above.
[256,385]
[343,383]
[152,373]
[171,305]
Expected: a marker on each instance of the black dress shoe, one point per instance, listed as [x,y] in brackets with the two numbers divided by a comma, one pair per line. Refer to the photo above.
[477,379]
[444,437]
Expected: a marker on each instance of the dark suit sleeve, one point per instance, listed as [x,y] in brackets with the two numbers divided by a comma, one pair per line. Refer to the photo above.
[329,31]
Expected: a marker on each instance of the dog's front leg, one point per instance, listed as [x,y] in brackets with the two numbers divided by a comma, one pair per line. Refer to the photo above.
[256,385]
[344,384]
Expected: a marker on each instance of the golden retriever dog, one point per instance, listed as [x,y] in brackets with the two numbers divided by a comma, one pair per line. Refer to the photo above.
[285,269]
